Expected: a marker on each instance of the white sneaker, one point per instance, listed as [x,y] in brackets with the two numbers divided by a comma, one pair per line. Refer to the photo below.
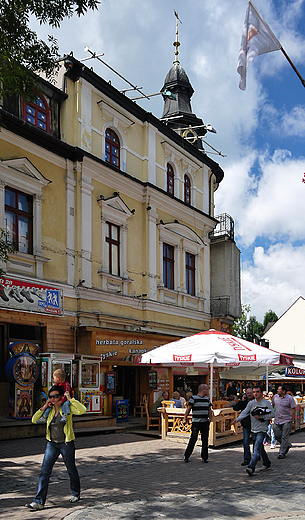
[74,499]
[35,506]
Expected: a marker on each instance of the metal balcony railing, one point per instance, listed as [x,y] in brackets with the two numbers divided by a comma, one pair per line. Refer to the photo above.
[225,226]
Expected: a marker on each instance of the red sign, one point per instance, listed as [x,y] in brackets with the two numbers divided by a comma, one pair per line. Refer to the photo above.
[27,296]
[242,357]
[182,358]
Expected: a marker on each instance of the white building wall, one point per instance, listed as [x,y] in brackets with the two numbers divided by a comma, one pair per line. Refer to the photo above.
[287,335]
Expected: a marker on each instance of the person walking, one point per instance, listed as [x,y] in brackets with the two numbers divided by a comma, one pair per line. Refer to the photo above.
[60,437]
[260,411]
[246,424]
[284,415]
[201,407]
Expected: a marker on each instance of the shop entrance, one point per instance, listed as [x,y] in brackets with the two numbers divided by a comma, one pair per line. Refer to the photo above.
[189,382]
[126,384]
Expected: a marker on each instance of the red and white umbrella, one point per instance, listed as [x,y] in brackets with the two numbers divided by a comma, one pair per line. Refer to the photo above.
[215,349]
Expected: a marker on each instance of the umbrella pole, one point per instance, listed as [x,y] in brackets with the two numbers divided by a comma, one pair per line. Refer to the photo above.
[211,382]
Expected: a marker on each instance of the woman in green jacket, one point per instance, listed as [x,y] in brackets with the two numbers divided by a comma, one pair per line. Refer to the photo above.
[60,437]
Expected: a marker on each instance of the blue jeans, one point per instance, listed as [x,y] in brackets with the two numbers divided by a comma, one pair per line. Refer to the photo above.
[246,444]
[203,428]
[259,450]
[53,449]
[270,433]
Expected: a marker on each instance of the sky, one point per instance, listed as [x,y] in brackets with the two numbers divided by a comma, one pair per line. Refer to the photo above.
[261,130]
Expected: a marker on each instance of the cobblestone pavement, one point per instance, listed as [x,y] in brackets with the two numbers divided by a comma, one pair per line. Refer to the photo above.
[134,477]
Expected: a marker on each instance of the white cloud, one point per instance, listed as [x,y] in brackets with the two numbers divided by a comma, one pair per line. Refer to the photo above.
[275,280]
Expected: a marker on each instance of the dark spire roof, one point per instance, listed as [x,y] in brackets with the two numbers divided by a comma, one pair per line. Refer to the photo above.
[178,112]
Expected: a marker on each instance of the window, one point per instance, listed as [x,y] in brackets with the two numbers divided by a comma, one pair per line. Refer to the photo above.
[190,273]
[113,241]
[168,266]
[187,189]
[112,148]
[18,219]
[37,113]
[170,180]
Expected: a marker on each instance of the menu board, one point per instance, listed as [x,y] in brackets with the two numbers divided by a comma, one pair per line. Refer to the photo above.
[110,383]
[162,380]
[122,410]
[153,382]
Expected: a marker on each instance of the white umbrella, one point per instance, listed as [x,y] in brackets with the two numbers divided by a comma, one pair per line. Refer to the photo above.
[213,348]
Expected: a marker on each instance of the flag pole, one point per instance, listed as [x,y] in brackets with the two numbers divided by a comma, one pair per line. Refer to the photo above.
[293,66]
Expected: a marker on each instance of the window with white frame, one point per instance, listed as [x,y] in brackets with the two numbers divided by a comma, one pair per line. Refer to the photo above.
[168,266]
[18,219]
[170,177]
[113,247]
[190,272]
[187,189]
[115,214]
[21,186]
[112,148]
[174,238]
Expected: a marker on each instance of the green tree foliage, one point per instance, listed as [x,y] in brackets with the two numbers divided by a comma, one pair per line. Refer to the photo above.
[270,317]
[247,327]
[6,248]
[240,325]
[21,51]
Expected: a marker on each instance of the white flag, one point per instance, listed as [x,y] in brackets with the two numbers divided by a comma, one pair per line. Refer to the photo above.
[257,38]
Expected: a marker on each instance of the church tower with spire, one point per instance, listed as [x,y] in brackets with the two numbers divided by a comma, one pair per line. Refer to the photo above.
[177,112]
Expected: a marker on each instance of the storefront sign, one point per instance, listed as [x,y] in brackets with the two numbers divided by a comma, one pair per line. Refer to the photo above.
[295,372]
[30,297]
[114,347]
[122,410]
[110,383]
[162,379]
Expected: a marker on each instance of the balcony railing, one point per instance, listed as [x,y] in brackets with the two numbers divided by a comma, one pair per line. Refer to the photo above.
[225,226]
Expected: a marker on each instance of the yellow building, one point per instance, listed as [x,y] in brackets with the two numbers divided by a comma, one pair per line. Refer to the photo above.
[112,214]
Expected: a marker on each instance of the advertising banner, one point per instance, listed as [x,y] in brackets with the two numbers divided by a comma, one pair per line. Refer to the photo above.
[295,372]
[30,297]
[117,346]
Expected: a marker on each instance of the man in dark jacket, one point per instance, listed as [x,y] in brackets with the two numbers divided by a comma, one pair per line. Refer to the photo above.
[246,424]
[231,390]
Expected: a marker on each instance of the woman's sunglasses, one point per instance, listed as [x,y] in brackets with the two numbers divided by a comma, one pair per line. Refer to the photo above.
[54,396]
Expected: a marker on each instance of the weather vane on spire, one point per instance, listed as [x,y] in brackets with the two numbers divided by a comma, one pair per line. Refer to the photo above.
[176,43]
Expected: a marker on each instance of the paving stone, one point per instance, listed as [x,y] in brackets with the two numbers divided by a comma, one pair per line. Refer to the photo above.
[131,477]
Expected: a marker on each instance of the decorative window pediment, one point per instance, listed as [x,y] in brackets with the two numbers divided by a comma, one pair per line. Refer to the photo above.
[12,171]
[115,210]
[183,232]
[19,175]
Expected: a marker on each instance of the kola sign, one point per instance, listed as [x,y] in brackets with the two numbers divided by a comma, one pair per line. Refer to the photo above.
[295,372]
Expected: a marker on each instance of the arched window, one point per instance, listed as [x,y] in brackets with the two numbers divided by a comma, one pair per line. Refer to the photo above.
[37,113]
[170,179]
[187,189]
[112,148]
